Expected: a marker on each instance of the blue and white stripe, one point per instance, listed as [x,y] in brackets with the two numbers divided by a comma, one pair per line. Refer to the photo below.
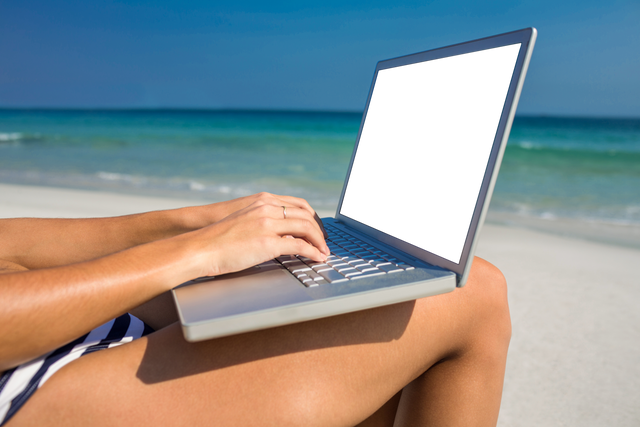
[17,385]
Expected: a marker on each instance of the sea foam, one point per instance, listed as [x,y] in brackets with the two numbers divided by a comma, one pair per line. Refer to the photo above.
[10,137]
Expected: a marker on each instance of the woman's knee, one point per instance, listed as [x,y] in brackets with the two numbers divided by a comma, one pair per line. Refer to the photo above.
[487,288]
[473,319]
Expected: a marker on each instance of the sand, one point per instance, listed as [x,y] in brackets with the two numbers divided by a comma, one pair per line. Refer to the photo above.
[575,308]
[574,358]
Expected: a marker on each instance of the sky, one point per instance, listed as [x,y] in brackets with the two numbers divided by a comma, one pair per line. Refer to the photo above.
[301,55]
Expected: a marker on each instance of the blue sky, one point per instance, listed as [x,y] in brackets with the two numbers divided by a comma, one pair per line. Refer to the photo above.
[297,55]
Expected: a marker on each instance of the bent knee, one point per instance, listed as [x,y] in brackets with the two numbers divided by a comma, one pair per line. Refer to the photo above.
[488,277]
[488,289]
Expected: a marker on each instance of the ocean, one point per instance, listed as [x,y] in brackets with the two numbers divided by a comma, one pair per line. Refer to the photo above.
[554,169]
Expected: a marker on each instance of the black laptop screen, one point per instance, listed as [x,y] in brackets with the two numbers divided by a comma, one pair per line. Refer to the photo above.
[424,147]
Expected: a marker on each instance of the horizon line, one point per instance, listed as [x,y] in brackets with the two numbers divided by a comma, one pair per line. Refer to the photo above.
[279,110]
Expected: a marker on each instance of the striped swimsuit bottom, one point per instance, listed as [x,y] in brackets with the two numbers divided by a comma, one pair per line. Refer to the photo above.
[17,385]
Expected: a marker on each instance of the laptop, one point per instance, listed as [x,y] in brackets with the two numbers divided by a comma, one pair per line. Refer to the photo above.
[417,189]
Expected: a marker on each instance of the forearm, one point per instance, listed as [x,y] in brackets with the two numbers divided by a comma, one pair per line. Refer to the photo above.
[46,308]
[39,243]
[43,309]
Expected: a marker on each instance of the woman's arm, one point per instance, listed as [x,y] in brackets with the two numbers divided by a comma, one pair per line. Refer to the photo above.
[46,308]
[39,243]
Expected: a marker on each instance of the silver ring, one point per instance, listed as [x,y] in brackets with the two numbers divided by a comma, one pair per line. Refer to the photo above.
[284,212]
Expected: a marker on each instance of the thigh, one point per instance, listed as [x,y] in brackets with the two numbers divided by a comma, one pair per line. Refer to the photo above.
[334,371]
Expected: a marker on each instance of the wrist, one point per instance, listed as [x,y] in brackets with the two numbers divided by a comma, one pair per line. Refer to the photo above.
[193,218]
[165,262]
[180,220]
[192,254]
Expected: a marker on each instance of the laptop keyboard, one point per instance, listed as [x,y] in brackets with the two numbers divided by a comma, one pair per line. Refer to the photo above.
[350,259]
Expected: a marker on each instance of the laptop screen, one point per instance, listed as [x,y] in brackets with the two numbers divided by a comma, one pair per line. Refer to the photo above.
[424,147]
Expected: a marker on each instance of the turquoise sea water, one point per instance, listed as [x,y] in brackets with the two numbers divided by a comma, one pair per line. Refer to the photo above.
[576,168]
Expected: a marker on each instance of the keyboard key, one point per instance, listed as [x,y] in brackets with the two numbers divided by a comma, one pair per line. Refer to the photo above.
[332,276]
[390,268]
[342,253]
[352,274]
[366,267]
[336,263]
[315,266]
[292,265]
[287,258]
[369,274]
[315,276]
[360,253]
[379,263]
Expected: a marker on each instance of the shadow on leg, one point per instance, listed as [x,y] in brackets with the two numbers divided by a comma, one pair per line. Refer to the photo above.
[158,312]
[465,387]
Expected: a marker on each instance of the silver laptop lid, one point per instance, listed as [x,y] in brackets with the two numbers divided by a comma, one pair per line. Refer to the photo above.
[430,144]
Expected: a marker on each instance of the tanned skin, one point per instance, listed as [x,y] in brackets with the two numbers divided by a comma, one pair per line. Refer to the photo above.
[434,361]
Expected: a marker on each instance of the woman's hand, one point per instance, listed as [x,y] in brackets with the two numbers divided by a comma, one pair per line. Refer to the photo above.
[209,214]
[258,232]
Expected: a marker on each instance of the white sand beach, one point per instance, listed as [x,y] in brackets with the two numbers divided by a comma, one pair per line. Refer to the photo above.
[575,353]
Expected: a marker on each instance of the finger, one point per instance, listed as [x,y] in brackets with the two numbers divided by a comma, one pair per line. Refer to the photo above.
[295,246]
[298,222]
[303,229]
[321,225]
[291,212]
[295,201]
[315,217]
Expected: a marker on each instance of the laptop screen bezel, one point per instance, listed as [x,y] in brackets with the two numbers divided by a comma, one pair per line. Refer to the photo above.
[526,38]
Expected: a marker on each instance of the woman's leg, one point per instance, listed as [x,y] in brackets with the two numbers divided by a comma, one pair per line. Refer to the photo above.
[465,387]
[450,349]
